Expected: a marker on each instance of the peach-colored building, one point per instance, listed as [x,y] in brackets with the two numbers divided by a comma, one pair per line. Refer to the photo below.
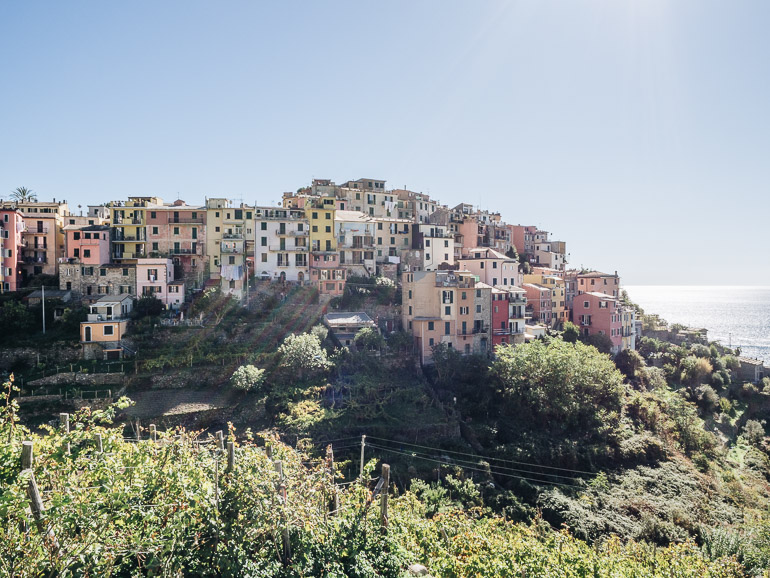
[178,232]
[448,307]
[597,282]
[107,322]
[89,245]
[539,303]
[11,245]
[597,313]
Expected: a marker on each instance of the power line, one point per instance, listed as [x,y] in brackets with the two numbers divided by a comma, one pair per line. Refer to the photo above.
[484,457]
[574,486]
[498,467]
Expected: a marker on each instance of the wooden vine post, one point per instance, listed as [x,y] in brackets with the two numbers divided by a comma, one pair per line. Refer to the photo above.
[230,457]
[35,501]
[284,518]
[384,495]
[64,424]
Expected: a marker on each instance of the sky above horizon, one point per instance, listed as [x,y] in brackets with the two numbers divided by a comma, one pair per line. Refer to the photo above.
[636,131]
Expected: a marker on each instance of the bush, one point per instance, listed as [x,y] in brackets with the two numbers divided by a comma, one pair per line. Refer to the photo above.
[247,378]
[753,432]
[147,306]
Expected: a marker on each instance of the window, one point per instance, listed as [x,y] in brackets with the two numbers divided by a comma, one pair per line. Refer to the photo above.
[76,235]
[430,342]
[263,241]
[109,330]
[328,216]
[153,214]
[494,264]
[431,326]
[446,243]
[263,226]
[315,215]
[446,328]
[410,310]
[328,229]
[315,228]
[76,252]
[86,253]
[216,229]
[586,304]
[155,230]
[264,257]
[155,247]
[410,294]
[232,260]
[448,310]
[102,272]
[427,256]
[176,230]
[427,242]
[125,272]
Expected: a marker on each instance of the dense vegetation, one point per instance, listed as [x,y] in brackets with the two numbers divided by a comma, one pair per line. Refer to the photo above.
[170,507]
[549,443]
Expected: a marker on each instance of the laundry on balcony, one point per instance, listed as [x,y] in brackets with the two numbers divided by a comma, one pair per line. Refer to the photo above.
[231,272]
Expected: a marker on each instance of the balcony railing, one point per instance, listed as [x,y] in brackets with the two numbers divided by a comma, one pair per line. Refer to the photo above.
[128,255]
[126,221]
[35,230]
[232,235]
[287,249]
[184,220]
[35,259]
[128,239]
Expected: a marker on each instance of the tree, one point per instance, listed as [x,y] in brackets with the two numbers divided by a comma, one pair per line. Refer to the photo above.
[247,378]
[629,362]
[571,332]
[560,385]
[303,355]
[23,195]
[600,341]
[694,370]
[511,253]
[368,338]
[148,305]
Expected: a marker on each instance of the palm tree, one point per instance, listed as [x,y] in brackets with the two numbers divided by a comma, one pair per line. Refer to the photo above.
[24,195]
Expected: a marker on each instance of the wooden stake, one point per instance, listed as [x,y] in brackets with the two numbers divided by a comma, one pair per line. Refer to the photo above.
[221,440]
[26,455]
[230,456]
[64,424]
[99,446]
[384,496]
[153,433]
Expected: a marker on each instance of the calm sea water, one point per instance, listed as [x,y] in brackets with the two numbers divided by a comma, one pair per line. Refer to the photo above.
[740,315]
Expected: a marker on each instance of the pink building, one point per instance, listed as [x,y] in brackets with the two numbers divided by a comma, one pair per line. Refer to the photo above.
[11,244]
[597,313]
[326,273]
[521,235]
[156,277]
[90,245]
[539,303]
[492,267]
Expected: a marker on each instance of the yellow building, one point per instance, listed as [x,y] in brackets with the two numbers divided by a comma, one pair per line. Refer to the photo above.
[128,220]
[230,244]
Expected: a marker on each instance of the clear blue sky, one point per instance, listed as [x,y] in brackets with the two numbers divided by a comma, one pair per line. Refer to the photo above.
[636,131]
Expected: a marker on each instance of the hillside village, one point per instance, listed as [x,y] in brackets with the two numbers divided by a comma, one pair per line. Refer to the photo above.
[469,280]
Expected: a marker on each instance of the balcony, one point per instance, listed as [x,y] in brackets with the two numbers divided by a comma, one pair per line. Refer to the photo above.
[126,221]
[278,248]
[231,249]
[42,259]
[128,239]
[185,251]
[35,231]
[232,235]
[119,256]
[184,220]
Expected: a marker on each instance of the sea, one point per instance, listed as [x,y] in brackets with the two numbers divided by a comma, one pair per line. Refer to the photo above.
[735,316]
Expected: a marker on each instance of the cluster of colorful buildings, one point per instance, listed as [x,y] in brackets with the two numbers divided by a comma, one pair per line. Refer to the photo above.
[461,278]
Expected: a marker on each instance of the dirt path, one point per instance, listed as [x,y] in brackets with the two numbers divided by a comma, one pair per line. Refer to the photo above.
[178,401]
